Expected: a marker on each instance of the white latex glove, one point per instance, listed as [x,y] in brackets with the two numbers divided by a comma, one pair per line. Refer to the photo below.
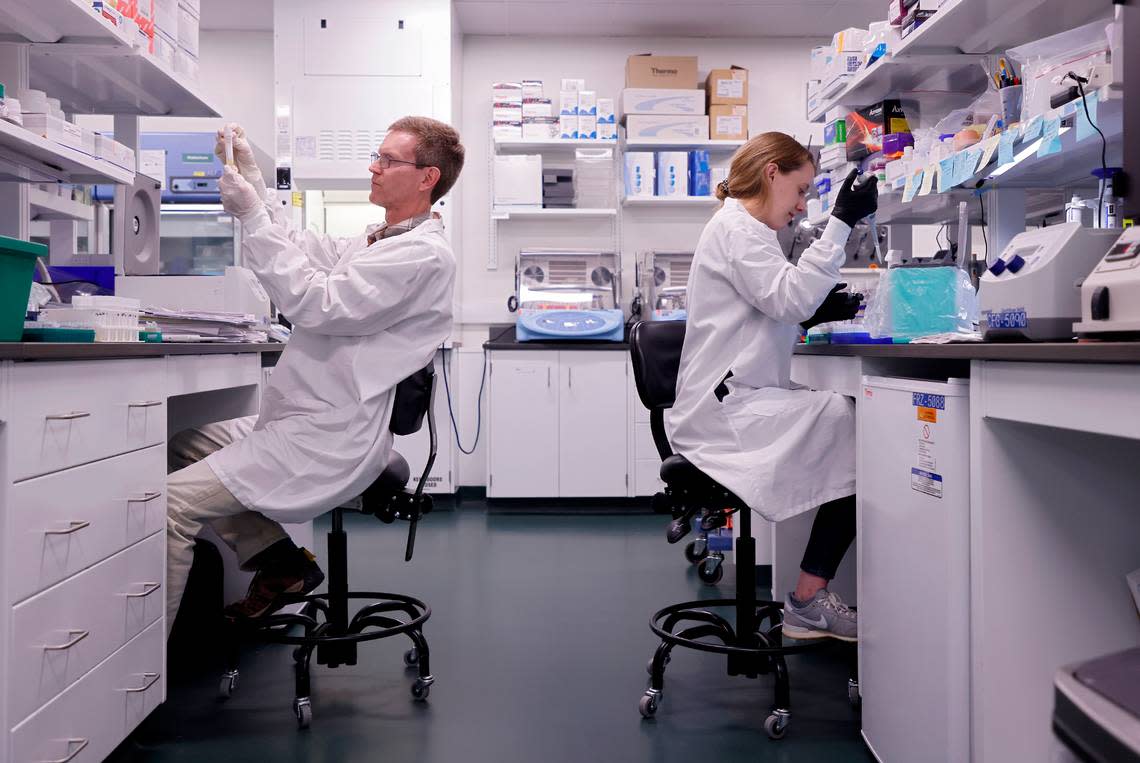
[239,197]
[243,156]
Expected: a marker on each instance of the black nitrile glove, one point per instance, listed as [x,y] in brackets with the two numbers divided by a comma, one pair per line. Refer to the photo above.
[854,202]
[837,306]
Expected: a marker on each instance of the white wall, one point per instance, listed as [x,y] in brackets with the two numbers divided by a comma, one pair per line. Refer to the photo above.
[777,69]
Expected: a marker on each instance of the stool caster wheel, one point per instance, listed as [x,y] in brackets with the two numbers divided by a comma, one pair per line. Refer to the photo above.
[420,690]
[853,695]
[710,571]
[647,706]
[776,724]
[412,657]
[303,712]
[696,551]
[228,685]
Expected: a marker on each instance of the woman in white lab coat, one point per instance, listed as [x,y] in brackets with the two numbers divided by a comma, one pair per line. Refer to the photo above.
[782,449]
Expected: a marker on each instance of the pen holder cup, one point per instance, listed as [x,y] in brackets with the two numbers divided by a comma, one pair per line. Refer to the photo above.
[1010,104]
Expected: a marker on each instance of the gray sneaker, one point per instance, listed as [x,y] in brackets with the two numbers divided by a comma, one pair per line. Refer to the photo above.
[825,616]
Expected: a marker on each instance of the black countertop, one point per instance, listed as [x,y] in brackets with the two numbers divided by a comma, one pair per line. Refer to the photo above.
[1046,352]
[99,350]
[502,337]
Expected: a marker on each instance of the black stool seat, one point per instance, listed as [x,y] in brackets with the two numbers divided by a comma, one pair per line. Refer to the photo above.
[680,473]
[395,476]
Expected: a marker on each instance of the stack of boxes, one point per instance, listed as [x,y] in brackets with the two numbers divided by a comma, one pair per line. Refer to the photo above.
[661,99]
[727,94]
[668,174]
[167,29]
[520,111]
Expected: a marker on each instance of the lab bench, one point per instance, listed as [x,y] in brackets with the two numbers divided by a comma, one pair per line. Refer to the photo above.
[83,432]
[1048,530]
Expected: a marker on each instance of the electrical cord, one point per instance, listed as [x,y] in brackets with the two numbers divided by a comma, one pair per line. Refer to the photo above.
[478,400]
[1103,144]
[985,239]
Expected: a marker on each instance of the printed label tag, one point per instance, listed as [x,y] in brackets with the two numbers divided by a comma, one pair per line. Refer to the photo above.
[1007,319]
[928,414]
[730,88]
[926,482]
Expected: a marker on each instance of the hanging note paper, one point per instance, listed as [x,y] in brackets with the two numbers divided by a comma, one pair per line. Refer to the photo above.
[989,147]
[1005,146]
[1051,137]
[947,171]
[913,183]
[1084,127]
[1032,130]
[928,176]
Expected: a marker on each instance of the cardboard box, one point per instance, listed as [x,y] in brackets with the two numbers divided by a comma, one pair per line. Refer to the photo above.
[573,84]
[537,107]
[587,103]
[728,122]
[727,87]
[187,30]
[587,127]
[55,129]
[673,174]
[507,130]
[607,114]
[186,64]
[568,103]
[673,72]
[662,101]
[640,174]
[667,127]
[166,17]
[607,131]
[849,40]
[568,127]
[517,180]
[164,49]
[699,173]
[506,112]
[867,126]
[531,89]
[540,128]
[114,152]
[506,92]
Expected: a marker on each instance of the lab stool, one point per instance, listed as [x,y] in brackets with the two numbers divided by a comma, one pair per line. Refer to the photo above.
[755,645]
[324,617]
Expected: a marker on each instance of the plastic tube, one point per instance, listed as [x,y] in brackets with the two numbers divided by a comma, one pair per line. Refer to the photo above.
[229,144]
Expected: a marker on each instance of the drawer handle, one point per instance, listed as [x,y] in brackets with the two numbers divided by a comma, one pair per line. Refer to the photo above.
[151,678]
[79,745]
[75,526]
[147,404]
[76,637]
[146,497]
[148,589]
[67,416]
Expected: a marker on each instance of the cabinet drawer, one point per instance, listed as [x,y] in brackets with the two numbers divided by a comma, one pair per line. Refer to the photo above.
[87,722]
[62,523]
[70,628]
[70,413]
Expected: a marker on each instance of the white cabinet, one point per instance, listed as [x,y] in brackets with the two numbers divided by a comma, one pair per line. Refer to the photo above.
[559,424]
[416,447]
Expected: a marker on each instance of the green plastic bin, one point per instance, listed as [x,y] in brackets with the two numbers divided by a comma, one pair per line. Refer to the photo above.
[17,264]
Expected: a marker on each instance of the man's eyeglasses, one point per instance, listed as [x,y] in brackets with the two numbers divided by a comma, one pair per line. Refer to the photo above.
[385,161]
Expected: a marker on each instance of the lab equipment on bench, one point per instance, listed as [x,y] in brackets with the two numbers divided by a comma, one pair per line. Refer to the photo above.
[662,284]
[1030,291]
[17,265]
[914,522]
[1096,707]
[567,294]
[1110,296]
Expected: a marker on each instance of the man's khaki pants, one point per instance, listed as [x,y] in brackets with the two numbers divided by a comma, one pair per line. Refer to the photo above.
[195,496]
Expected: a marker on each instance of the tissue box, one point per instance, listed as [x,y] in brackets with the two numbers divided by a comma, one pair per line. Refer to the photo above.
[568,103]
[606,112]
[541,128]
[662,101]
[674,72]
[587,103]
[676,127]
[568,127]
[506,92]
[727,87]
[517,180]
[640,171]
[728,122]
[672,174]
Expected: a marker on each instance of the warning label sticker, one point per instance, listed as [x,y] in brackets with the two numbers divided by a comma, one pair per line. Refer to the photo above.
[926,482]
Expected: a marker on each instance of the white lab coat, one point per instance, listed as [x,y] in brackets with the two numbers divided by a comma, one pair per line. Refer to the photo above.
[781,449]
[364,317]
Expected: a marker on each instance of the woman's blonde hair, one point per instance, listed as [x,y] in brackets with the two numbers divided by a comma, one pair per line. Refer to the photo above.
[746,178]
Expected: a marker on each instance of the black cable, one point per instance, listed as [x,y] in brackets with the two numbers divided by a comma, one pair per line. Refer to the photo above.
[1103,145]
[985,240]
[478,400]
[938,237]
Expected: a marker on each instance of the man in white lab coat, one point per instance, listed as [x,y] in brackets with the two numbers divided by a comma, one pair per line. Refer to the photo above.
[367,311]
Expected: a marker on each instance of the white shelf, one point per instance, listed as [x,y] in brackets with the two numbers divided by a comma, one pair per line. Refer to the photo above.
[50,206]
[574,212]
[986,26]
[658,144]
[539,145]
[29,157]
[681,201]
[93,67]
[897,75]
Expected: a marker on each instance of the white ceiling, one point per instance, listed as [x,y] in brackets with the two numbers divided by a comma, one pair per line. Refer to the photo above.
[613,18]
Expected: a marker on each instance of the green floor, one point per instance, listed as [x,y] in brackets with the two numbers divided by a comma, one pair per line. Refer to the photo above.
[539,643]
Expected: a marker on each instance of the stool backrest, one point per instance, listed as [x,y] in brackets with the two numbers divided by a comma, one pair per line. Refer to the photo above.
[413,398]
[655,348]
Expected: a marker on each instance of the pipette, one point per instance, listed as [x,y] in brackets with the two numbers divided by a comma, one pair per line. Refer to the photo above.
[229,134]
[859,181]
